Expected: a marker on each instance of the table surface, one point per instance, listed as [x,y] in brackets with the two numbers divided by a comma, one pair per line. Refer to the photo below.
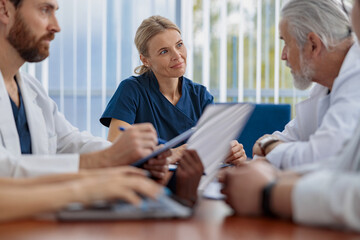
[212,220]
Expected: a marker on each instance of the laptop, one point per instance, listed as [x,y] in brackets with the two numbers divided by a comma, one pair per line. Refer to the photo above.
[164,207]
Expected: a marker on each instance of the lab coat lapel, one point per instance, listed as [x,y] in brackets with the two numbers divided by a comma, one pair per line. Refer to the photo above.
[310,111]
[35,118]
[8,132]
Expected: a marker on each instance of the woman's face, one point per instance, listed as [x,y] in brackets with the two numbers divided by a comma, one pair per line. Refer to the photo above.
[355,17]
[167,55]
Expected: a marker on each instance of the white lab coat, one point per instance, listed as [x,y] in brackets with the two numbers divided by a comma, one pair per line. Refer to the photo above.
[329,192]
[324,121]
[55,143]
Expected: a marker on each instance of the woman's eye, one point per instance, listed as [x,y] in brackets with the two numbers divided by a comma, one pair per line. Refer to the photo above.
[163,52]
[180,44]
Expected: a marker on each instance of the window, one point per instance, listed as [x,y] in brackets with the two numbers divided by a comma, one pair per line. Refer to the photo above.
[93,52]
[233,49]
[237,51]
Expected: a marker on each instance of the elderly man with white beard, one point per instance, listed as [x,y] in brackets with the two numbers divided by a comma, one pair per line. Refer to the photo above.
[319,48]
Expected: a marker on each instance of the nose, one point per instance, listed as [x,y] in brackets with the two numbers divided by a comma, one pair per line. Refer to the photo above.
[54,26]
[176,54]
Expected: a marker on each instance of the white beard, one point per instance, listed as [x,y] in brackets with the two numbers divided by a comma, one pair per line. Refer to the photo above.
[303,79]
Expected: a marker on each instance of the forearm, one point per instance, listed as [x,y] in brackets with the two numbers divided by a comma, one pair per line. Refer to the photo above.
[22,202]
[94,160]
[281,196]
[56,178]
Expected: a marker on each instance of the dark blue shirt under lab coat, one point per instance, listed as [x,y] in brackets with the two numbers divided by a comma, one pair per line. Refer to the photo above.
[138,100]
[22,125]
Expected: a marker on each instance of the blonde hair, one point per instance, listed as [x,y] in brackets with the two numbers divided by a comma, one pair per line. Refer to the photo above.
[148,29]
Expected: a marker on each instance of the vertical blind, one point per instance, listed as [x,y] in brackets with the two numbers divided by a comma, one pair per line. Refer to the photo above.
[233,49]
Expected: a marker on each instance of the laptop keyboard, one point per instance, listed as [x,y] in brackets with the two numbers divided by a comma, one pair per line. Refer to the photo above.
[163,207]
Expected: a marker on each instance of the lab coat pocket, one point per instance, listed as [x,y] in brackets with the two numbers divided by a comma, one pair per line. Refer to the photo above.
[52,144]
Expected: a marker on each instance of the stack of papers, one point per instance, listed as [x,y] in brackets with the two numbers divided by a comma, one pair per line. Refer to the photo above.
[211,137]
[218,125]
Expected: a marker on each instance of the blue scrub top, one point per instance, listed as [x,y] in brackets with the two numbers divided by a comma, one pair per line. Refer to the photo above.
[138,100]
[22,125]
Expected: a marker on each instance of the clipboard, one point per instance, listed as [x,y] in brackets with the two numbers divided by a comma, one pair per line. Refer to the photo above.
[170,144]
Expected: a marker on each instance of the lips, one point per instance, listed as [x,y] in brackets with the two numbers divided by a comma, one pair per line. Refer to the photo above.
[48,37]
[178,65]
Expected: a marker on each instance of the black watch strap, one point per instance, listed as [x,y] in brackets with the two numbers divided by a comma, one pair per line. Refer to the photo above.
[266,200]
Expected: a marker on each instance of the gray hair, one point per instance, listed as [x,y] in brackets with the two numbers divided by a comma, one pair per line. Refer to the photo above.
[326,18]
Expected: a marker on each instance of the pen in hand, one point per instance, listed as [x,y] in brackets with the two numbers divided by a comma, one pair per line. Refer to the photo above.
[160,141]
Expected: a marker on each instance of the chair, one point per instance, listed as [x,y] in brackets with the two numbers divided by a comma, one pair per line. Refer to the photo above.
[265,119]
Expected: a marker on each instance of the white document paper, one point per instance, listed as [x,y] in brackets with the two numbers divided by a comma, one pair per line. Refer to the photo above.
[213,191]
[218,125]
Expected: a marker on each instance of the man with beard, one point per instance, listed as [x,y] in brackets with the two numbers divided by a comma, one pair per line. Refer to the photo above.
[318,48]
[325,193]
[35,138]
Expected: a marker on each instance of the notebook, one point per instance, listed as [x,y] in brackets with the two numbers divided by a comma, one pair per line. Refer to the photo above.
[170,144]
[219,124]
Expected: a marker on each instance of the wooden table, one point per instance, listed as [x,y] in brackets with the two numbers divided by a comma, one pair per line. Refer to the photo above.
[212,220]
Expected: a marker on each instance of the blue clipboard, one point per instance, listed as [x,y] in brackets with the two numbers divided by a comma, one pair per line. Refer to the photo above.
[170,144]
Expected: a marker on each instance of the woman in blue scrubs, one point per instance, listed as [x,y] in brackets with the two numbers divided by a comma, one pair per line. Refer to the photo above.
[161,94]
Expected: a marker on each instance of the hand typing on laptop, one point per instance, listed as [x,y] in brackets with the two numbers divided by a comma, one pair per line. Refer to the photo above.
[50,193]
[163,205]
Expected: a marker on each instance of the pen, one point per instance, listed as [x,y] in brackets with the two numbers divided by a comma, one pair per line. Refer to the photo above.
[160,141]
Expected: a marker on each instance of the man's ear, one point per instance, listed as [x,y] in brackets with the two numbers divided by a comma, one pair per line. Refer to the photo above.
[5,14]
[314,45]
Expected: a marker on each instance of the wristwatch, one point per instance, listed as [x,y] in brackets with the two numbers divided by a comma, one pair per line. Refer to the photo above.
[265,142]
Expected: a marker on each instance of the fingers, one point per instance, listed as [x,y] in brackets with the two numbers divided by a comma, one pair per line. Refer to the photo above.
[144,132]
[227,177]
[136,142]
[237,154]
[234,143]
[158,166]
[130,196]
[164,155]
[241,155]
[158,161]
[188,175]
[177,153]
[191,160]
[144,186]
[130,171]
[129,188]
